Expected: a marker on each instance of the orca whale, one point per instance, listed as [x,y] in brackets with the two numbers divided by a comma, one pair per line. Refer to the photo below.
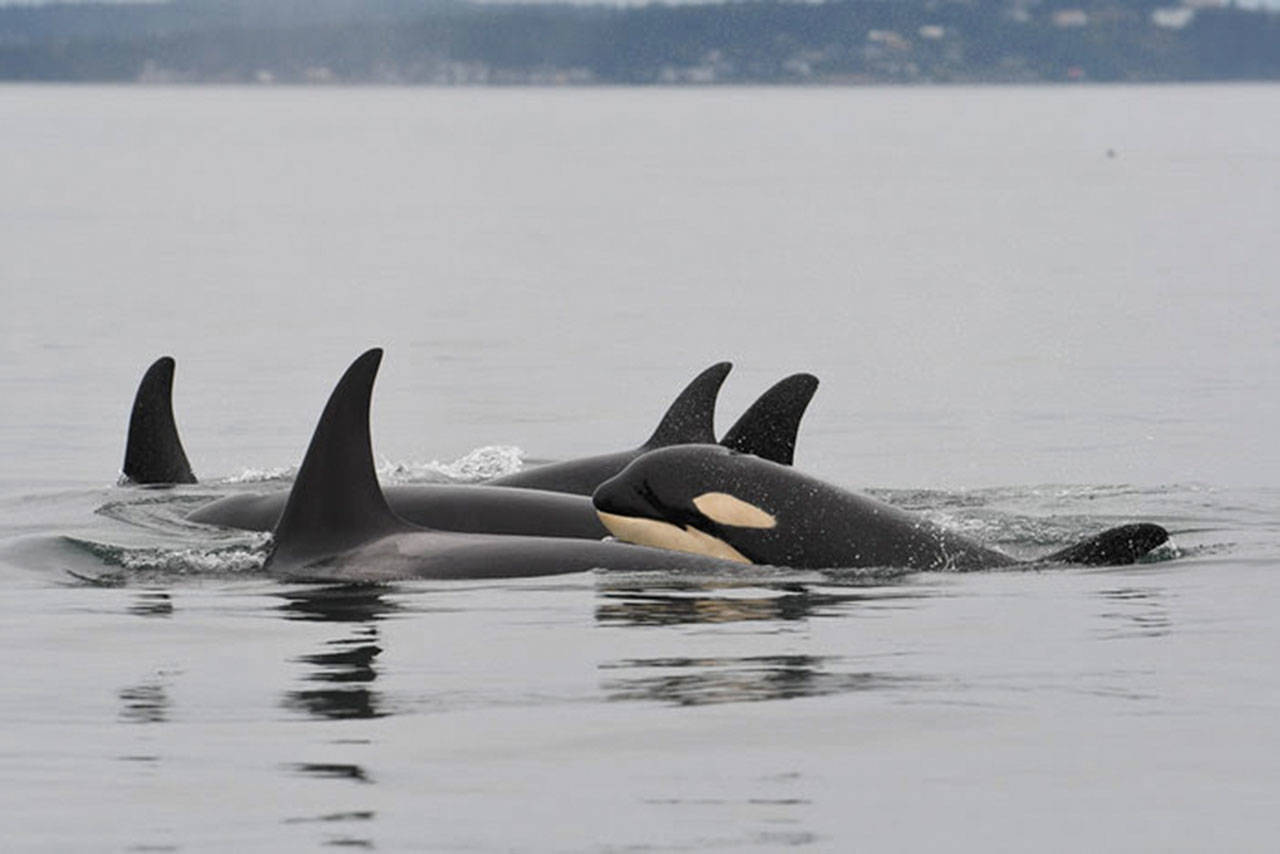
[153,452]
[767,429]
[337,525]
[707,499]
[154,455]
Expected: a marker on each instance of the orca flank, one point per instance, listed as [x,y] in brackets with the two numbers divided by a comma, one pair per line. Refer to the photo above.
[710,500]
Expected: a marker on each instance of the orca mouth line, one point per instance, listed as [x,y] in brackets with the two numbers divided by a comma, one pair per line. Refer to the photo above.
[637,501]
[642,503]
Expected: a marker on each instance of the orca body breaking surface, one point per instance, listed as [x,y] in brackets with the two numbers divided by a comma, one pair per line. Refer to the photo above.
[768,429]
[447,507]
[154,455]
[337,524]
[707,499]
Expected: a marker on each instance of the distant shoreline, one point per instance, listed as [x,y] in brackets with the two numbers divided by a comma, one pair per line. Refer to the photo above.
[758,43]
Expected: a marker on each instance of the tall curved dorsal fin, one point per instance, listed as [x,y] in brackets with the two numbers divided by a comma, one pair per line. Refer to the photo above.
[153,452]
[768,428]
[336,503]
[690,420]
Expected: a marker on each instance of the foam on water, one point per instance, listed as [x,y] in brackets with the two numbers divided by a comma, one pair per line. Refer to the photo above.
[264,475]
[137,563]
[483,463]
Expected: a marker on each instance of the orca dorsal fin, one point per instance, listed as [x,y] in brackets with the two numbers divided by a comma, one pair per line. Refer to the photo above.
[690,420]
[336,503]
[1113,547]
[153,452]
[769,426]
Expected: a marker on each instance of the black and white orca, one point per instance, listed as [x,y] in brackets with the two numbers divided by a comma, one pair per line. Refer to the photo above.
[707,499]
[154,455]
[338,526]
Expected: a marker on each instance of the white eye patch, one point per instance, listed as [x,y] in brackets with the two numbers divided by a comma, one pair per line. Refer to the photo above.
[725,509]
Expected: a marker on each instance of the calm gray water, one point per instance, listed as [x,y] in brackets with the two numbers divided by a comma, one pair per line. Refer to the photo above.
[1035,312]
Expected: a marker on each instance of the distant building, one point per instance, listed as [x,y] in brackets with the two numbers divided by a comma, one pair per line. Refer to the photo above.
[889,39]
[1172,17]
[1066,18]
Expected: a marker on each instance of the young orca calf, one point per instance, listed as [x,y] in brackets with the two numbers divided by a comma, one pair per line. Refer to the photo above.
[709,500]
[153,453]
[337,525]
[767,429]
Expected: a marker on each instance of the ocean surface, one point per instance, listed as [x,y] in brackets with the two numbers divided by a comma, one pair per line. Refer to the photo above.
[1035,312]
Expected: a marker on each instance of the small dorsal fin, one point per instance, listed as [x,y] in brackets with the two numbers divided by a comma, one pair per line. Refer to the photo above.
[1113,547]
[768,428]
[153,452]
[336,503]
[690,420]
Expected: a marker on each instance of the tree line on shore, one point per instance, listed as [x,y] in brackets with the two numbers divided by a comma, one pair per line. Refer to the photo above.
[758,41]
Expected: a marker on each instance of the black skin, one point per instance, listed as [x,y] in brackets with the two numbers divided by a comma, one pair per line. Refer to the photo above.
[153,452]
[768,428]
[444,507]
[337,525]
[820,525]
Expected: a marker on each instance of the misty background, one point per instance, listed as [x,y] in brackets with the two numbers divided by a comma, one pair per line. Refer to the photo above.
[451,42]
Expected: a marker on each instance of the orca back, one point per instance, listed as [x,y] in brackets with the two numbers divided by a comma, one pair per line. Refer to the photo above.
[1113,547]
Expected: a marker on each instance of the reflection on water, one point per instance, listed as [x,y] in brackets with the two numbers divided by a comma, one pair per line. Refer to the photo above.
[346,665]
[1135,612]
[353,665]
[647,607]
[702,681]
[343,603]
[334,770]
[346,668]
[147,703]
[689,681]
[357,815]
[152,604]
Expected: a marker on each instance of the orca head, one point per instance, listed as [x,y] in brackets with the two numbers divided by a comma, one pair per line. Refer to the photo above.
[704,499]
